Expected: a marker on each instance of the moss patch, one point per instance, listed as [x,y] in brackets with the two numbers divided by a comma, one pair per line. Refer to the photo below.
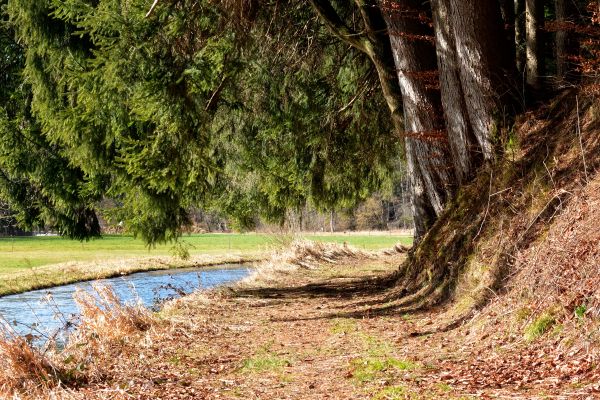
[540,326]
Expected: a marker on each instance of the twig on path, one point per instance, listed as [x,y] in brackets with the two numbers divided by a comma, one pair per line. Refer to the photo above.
[487,209]
[581,142]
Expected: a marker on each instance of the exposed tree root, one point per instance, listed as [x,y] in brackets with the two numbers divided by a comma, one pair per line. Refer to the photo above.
[506,209]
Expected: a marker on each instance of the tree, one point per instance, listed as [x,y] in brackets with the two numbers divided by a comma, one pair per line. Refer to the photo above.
[222,104]
[534,20]
[166,112]
[463,142]
[520,38]
[475,80]
[426,146]
[37,181]
[427,153]
[485,68]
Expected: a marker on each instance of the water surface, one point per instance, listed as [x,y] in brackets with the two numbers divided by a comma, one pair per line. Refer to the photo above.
[40,314]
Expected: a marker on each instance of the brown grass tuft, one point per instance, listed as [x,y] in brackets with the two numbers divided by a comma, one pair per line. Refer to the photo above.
[105,326]
[306,254]
[104,317]
[24,368]
[309,254]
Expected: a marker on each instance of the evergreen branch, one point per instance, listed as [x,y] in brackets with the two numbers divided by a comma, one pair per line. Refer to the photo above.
[215,96]
[359,93]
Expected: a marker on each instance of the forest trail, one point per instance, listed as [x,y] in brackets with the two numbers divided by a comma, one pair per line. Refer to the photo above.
[326,332]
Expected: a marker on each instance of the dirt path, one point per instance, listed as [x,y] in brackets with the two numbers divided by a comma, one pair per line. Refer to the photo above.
[327,333]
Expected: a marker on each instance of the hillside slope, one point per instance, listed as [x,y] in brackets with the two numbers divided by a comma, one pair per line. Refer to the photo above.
[472,251]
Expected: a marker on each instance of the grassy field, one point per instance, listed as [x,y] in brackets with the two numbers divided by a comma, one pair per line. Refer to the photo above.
[28,252]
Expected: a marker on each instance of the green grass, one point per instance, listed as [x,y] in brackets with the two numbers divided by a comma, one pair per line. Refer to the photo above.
[367,369]
[540,326]
[391,393]
[27,252]
[264,360]
[378,361]
[267,362]
[344,326]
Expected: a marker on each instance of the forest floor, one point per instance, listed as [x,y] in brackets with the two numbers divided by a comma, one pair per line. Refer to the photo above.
[329,332]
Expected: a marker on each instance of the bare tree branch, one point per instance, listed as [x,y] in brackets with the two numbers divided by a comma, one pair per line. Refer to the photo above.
[372,18]
[152,8]
[335,23]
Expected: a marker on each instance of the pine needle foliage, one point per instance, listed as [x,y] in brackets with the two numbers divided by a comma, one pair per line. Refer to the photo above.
[37,181]
[191,106]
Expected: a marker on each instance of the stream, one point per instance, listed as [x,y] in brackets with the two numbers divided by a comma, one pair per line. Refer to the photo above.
[41,314]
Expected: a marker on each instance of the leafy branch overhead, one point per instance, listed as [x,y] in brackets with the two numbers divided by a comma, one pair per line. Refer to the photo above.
[173,106]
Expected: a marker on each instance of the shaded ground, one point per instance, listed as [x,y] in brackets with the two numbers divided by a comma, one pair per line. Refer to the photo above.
[328,333]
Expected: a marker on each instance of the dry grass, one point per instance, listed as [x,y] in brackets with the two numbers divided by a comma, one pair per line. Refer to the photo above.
[23,368]
[103,316]
[105,330]
[295,338]
[558,274]
[77,271]
[304,254]
[309,254]
[108,329]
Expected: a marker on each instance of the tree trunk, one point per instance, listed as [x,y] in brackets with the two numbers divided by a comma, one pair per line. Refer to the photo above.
[534,19]
[520,36]
[429,163]
[331,223]
[463,144]
[566,44]
[507,8]
[404,63]
[561,40]
[484,66]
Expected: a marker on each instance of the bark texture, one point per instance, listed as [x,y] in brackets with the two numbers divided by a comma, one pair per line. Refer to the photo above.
[405,61]
[534,19]
[507,7]
[463,144]
[565,41]
[520,36]
[428,155]
[484,70]
[561,39]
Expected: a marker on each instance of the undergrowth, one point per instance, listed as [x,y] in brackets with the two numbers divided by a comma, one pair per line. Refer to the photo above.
[471,250]
[540,326]
[378,360]
[264,360]
[26,371]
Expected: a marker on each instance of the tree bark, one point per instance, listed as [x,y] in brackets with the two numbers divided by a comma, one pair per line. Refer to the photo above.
[413,109]
[534,19]
[520,35]
[561,40]
[507,8]
[484,66]
[463,144]
[331,221]
[566,44]
[427,151]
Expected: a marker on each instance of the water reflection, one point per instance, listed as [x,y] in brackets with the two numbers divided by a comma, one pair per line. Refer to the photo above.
[41,314]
